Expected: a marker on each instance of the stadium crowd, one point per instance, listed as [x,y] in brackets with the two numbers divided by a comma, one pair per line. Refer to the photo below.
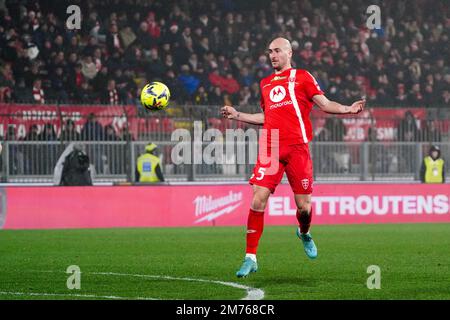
[211,52]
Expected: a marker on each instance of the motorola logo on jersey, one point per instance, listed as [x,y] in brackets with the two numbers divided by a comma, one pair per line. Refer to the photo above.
[277,94]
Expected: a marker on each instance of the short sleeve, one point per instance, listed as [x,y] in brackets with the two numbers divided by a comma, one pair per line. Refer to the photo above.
[311,86]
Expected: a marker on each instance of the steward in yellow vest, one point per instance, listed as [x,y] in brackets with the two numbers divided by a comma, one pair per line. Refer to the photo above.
[433,170]
[148,168]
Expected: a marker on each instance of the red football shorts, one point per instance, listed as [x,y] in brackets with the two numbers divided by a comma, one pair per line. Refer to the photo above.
[296,161]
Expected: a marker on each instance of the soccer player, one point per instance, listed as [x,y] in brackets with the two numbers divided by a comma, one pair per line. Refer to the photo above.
[287,98]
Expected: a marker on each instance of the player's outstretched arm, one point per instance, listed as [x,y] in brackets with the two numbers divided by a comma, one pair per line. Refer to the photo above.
[336,108]
[231,113]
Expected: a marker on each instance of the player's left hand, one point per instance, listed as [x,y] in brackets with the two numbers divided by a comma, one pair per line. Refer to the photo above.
[357,106]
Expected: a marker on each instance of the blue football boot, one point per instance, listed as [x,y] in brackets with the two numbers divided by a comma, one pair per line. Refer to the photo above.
[247,267]
[308,244]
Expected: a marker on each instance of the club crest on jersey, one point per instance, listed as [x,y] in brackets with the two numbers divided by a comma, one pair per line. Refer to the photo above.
[305,183]
[277,93]
[291,79]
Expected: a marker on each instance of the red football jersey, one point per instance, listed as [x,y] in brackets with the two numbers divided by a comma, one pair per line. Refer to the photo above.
[286,99]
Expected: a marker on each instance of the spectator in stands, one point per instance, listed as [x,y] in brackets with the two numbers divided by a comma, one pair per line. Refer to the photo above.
[201,96]
[6,83]
[59,85]
[69,132]
[431,132]
[177,90]
[111,95]
[113,41]
[245,96]
[121,84]
[445,98]
[408,129]
[245,78]
[216,97]
[88,68]
[111,158]
[48,151]
[31,151]
[15,153]
[429,97]
[75,77]
[38,92]
[155,67]
[48,133]
[415,97]
[334,130]
[85,94]
[401,97]
[143,36]
[110,133]
[31,74]
[197,67]
[100,82]
[226,84]
[92,130]
[230,85]
[188,80]
[21,93]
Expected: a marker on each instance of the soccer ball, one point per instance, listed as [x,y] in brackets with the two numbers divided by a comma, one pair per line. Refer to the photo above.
[155,96]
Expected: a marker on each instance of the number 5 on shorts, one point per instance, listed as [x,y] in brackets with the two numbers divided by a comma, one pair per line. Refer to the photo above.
[261,171]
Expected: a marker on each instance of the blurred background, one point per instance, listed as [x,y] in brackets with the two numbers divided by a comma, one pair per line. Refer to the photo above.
[59,85]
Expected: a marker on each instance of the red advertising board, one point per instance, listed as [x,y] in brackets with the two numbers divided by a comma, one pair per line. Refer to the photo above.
[22,117]
[221,205]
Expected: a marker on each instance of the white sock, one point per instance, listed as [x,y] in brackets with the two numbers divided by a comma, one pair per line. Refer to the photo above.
[251,256]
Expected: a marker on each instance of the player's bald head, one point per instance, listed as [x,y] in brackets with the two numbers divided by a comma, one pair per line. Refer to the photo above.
[281,43]
[280,53]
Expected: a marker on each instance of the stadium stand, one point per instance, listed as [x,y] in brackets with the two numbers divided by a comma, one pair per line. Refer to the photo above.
[197,47]
[210,53]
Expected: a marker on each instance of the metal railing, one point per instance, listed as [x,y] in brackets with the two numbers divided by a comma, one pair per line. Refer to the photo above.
[376,145]
[33,161]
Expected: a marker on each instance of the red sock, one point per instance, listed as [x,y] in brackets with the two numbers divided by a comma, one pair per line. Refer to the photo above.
[304,221]
[255,226]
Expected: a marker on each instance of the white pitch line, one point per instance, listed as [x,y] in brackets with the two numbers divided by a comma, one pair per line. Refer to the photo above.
[252,293]
[41,294]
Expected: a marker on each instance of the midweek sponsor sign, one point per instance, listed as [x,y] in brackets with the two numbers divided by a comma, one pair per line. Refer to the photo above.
[221,205]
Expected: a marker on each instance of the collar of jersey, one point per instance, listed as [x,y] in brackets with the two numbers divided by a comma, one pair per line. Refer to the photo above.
[282,73]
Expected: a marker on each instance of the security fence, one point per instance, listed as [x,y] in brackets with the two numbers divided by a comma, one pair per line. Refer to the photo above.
[116,161]
[378,144]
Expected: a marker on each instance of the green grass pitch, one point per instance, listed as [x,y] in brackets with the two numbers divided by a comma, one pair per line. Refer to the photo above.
[414,260]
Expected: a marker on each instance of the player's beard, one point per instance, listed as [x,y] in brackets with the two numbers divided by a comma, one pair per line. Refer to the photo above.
[277,66]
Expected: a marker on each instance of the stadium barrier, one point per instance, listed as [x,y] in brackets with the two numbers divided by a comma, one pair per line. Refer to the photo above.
[215,205]
[370,146]
[115,161]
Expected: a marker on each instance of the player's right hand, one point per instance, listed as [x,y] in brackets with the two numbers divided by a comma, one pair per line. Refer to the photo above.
[228,112]
[357,106]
